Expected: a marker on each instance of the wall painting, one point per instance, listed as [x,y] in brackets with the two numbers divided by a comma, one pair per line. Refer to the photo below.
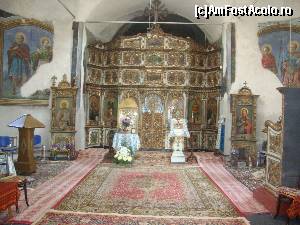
[25,45]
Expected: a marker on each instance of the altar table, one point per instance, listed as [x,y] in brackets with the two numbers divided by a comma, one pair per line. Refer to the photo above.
[126,140]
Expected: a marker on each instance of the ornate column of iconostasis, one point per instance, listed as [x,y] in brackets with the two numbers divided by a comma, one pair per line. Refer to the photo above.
[152,75]
[243,130]
[63,112]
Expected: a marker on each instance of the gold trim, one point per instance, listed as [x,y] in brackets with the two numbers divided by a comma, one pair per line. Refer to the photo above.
[275,126]
[24,102]
[26,22]
[278,27]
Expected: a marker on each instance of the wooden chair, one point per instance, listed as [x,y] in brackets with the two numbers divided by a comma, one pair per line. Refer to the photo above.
[288,195]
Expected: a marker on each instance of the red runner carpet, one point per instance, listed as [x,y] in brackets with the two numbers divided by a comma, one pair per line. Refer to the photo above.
[241,197]
[48,194]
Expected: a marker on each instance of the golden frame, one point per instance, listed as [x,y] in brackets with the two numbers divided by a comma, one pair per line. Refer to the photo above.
[244,100]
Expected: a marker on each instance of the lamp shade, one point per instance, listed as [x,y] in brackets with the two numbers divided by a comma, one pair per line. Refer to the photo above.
[26,121]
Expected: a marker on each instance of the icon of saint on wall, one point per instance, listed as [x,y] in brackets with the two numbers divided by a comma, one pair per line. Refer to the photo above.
[94,108]
[291,65]
[268,60]
[244,123]
[43,54]
[18,62]
[63,117]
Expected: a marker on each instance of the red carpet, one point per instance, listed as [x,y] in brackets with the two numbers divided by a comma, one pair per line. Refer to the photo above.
[241,197]
[68,218]
[48,194]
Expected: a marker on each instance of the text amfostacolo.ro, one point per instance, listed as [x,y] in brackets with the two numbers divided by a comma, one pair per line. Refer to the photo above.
[205,11]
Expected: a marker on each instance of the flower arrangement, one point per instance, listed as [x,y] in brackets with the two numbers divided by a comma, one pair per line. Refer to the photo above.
[126,122]
[123,156]
[64,149]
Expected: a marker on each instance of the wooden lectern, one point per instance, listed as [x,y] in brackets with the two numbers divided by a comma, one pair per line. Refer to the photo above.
[26,124]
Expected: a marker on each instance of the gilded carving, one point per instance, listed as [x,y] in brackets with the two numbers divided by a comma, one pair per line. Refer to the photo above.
[94,137]
[111,77]
[92,56]
[178,44]
[63,106]
[155,42]
[152,130]
[63,112]
[94,107]
[154,59]
[94,76]
[213,79]
[275,143]
[176,77]
[176,59]
[273,172]
[132,43]
[132,58]
[131,76]
[209,139]
[194,142]
[110,109]
[153,77]
[243,131]
[199,61]
[158,72]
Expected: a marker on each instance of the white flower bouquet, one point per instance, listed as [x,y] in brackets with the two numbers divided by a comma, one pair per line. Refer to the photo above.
[123,156]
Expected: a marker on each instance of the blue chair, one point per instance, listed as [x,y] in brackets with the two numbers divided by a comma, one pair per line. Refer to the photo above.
[8,145]
[37,142]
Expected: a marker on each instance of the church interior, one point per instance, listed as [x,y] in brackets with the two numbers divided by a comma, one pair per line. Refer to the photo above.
[142,112]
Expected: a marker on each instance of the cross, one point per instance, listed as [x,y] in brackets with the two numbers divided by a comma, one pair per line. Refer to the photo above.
[53,79]
[245,84]
[156,10]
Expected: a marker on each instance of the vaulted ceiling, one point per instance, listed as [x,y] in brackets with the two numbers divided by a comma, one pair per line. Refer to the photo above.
[94,12]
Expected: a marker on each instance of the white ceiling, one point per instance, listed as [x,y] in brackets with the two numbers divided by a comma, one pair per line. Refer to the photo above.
[109,10]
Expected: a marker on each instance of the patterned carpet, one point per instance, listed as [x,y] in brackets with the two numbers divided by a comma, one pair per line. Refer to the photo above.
[238,193]
[67,218]
[52,191]
[159,191]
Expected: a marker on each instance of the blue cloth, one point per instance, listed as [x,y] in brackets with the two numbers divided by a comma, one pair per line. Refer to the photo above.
[127,140]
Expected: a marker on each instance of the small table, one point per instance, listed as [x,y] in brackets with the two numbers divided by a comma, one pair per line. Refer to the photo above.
[127,140]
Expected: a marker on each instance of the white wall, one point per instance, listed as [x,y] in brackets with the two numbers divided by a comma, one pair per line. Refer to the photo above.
[262,82]
[61,62]
[10,113]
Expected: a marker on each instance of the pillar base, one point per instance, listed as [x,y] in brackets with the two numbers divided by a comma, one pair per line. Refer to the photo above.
[178,157]
[25,168]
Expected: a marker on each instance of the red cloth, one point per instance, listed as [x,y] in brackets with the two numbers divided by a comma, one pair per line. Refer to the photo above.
[294,194]
[9,194]
[294,209]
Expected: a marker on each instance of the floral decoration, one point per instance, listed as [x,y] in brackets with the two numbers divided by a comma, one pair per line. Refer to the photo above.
[123,156]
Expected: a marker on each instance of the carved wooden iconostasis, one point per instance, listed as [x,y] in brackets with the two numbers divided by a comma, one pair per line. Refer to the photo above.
[151,77]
